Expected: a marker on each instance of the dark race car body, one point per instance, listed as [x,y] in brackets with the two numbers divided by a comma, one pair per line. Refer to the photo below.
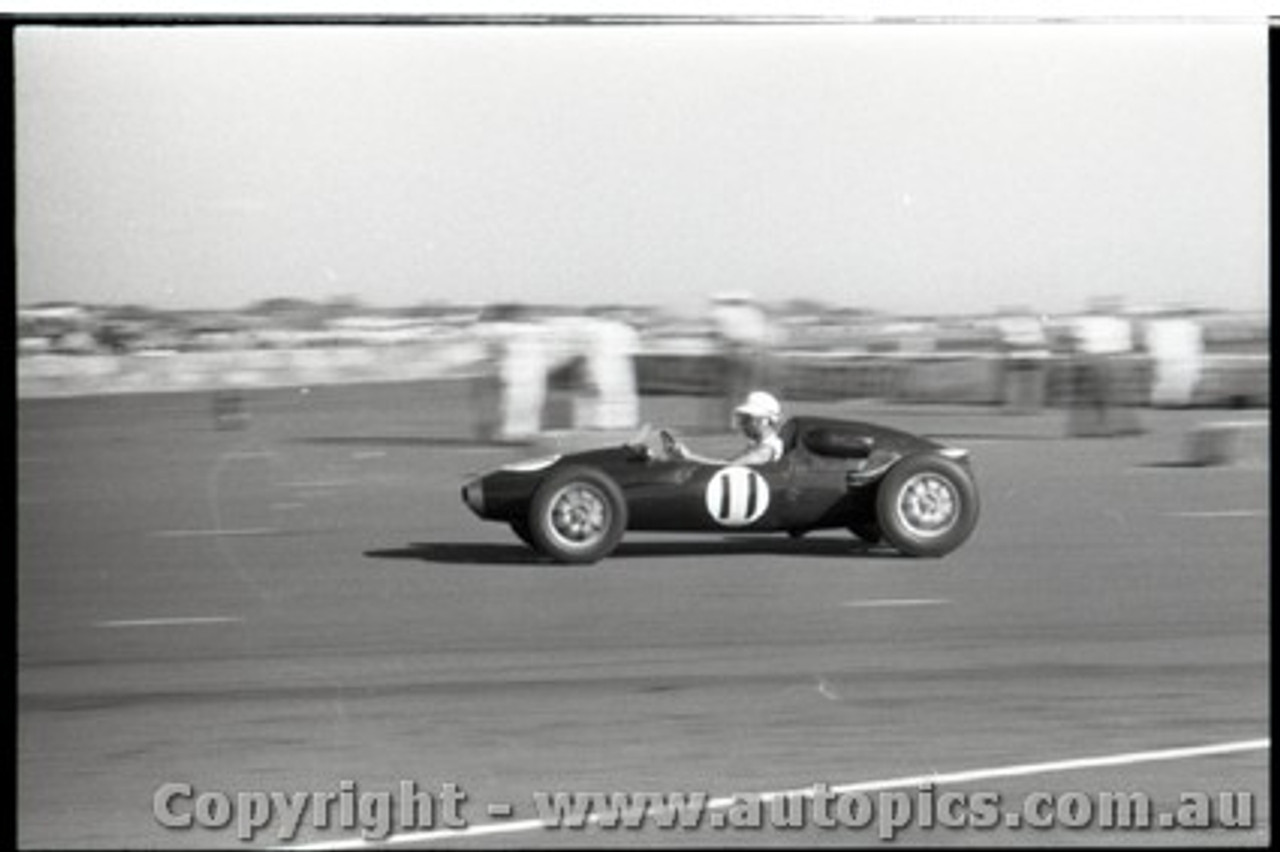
[881,483]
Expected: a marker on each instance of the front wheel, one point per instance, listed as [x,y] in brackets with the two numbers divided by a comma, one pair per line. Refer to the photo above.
[577,516]
[927,505]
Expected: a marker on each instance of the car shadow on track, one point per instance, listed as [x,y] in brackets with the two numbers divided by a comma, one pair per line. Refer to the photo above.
[485,553]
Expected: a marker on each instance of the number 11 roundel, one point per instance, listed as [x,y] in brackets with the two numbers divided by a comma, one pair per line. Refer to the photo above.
[737,496]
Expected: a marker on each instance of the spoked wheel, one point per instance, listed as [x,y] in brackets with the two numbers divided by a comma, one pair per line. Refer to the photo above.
[927,505]
[577,516]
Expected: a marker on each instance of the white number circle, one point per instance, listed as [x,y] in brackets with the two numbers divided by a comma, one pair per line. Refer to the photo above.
[737,496]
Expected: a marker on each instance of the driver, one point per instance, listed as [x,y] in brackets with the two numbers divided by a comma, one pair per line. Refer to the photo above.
[759,418]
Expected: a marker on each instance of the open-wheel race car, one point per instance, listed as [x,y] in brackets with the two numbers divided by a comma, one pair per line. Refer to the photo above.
[883,484]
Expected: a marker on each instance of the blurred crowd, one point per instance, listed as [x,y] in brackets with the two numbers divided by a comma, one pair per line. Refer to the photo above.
[607,356]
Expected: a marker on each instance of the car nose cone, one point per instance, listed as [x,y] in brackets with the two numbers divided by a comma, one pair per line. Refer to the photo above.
[473,496]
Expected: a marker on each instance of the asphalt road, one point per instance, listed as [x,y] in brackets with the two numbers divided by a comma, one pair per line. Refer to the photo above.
[305,602]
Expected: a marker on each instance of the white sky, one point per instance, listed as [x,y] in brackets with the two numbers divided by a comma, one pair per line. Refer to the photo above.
[906,168]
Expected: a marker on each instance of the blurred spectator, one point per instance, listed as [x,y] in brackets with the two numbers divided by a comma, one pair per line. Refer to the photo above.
[1176,345]
[611,348]
[742,336]
[593,356]
[1025,348]
[1101,337]
[511,391]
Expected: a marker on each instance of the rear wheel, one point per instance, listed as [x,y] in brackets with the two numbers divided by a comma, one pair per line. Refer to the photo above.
[577,516]
[927,505]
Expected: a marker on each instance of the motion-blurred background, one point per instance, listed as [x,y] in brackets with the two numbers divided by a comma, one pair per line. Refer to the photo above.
[908,209]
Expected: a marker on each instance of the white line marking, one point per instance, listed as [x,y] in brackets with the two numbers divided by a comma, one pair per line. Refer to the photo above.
[1230,513]
[933,778]
[885,602]
[171,622]
[317,483]
[369,454]
[214,532]
[425,836]
[1051,766]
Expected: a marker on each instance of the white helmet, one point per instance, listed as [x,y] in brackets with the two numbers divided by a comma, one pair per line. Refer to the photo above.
[760,404]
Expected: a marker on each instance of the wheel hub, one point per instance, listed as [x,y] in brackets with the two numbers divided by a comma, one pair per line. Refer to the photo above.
[929,504]
[579,515]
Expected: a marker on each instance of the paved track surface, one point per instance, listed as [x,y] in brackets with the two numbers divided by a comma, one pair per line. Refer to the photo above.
[305,600]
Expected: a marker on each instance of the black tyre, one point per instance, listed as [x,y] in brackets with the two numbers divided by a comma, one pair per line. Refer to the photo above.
[927,505]
[867,530]
[577,516]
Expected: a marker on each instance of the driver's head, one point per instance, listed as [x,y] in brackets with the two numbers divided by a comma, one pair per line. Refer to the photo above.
[759,415]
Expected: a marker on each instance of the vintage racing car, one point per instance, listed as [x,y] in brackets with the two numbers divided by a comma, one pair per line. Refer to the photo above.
[882,484]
